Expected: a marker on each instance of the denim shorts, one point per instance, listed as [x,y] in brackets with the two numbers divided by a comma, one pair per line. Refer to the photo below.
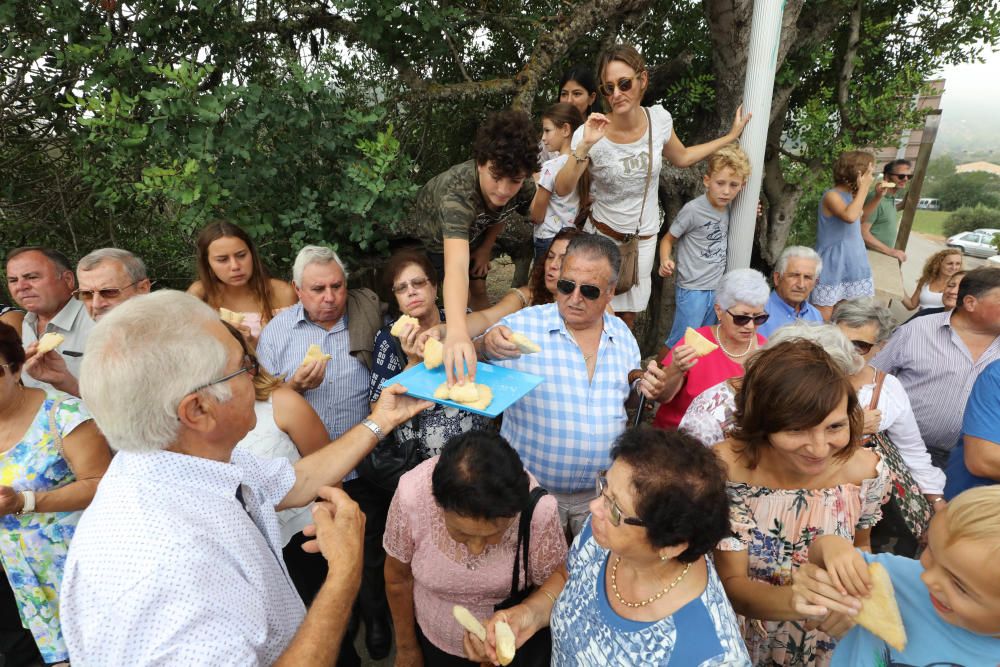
[693,308]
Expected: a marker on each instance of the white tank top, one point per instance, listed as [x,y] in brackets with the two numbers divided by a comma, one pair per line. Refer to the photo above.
[929,299]
[268,441]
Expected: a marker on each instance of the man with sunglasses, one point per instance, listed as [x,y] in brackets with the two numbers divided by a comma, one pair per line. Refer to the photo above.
[879,224]
[42,283]
[565,427]
[107,278]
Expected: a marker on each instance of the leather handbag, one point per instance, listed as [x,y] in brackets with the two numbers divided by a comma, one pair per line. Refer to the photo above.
[628,273]
[537,651]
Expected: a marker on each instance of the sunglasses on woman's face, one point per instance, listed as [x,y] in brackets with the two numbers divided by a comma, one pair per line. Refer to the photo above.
[589,292]
[862,346]
[623,84]
[743,320]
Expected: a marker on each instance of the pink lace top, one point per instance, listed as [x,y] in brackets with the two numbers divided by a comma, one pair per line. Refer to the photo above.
[445,574]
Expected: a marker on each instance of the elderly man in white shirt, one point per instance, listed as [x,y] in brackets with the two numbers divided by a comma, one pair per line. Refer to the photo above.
[178,558]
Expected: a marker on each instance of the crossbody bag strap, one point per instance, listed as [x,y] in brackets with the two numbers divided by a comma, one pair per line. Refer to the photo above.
[649,167]
[524,540]
[877,391]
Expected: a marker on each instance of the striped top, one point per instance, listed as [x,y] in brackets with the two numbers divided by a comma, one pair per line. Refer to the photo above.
[936,368]
[341,400]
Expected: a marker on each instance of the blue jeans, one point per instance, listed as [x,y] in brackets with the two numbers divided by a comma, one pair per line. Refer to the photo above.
[693,308]
[542,248]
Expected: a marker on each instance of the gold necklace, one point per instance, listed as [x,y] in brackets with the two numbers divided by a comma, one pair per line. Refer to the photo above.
[718,337]
[633,605]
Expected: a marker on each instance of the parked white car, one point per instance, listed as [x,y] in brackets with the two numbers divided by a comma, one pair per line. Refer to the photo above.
[976,244]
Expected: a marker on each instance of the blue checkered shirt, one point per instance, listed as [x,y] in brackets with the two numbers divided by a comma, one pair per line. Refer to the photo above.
[565,427]
[341,400]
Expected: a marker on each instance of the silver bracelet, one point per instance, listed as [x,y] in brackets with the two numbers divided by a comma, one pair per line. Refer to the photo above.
[373,427]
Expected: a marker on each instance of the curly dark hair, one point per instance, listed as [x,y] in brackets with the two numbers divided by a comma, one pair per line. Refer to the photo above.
[509,140]
[480,476]
[680,489]
[539,294]
[10,347]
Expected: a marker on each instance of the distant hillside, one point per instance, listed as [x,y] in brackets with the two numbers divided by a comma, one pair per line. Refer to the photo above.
[968,132]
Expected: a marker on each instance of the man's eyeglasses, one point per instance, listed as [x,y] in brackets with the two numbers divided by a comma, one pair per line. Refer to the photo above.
[589,292]
[623,84]
[902,177]
[106,293]
[862,346]
[250,366]
[614,512]
[743,320]
[416,283]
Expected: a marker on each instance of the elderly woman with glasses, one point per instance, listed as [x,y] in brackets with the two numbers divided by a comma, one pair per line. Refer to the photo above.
[739,305]
[51,458]
[637,588]
[624,151]
[890,421]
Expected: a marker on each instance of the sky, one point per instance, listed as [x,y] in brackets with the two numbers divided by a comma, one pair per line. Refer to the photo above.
[970,107]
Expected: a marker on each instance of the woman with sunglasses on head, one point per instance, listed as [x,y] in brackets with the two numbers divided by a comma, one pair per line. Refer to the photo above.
[637,588]
[739,305]
[868,324]
[231,275]
[52,457]
[624,152]
[933,283]
[410,277]
[796,471]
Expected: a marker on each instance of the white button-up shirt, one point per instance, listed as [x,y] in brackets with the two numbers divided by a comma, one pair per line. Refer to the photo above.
[166,566]
[74,323]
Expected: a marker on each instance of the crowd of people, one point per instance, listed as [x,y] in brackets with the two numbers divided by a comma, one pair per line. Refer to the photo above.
[184,480]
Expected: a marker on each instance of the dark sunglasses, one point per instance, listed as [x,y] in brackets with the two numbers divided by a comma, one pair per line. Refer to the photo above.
[106,293]
[903,177]
[589,292]
[743,320]
[623,84]
[862,346]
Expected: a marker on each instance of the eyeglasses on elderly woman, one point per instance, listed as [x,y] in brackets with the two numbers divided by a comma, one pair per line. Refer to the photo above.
[614,512]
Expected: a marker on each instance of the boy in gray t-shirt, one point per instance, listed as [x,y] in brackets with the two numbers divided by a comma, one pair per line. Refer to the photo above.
[701,231]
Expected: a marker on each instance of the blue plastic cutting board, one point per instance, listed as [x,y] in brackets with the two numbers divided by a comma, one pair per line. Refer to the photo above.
[508,386]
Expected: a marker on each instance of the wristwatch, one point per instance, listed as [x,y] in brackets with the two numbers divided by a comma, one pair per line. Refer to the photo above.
[373,427]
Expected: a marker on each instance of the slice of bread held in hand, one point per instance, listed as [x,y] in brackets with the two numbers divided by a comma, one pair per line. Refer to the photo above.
[506,644]
[314,353]
[433,353]
[700,344]
[879,613]
[469,622]
[524,344]
[49,342]
[400,324]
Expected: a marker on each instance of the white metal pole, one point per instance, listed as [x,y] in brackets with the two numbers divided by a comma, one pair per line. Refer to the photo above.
[758,89]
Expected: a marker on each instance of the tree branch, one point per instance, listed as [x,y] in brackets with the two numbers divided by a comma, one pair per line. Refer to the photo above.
[847,66]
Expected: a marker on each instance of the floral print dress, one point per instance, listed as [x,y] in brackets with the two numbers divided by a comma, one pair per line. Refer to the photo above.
[33,547]
[775,527]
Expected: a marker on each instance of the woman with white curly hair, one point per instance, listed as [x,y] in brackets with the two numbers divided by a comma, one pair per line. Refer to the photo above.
[739,307]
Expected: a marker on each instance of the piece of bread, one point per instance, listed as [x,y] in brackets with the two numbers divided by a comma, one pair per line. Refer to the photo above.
[400,324]
[433,353]
[888,185]
[464,393]
[468,621]
[442,393]
[879,613]
[524,344]
[485,397]
[314,353]
[49,342]
[231,316]
[506,643]
[700,344]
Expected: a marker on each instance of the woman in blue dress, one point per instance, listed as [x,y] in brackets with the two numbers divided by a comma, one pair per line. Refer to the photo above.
[639,587]
[846,273]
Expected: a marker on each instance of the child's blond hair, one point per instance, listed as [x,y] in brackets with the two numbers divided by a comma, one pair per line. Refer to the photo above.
[731,156]
[972,515]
